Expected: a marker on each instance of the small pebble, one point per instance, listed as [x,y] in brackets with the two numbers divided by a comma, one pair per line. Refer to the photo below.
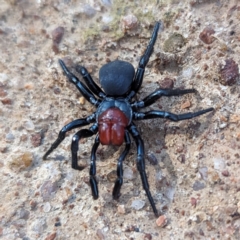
[33,204]
[52,236]
[55,48]
[138,204]
[174,43]
[107,3]
[36,139]
[193,201]
[121,209]
[10,137]
[100,234]
[167,83]
[19,223]
[203,172]
[27,158]
[105,28]
[39,225]
[188,73]
[160,179]
[198,186]
[179,148]
[112,176]
[128,173]
[57,224]
[225,173]
[147,236]
[57,90]
[47,189]
[181,158]
[28,125]
[88,11]
[231,209]
[161,221]
[6,101]
[57,34]
[29,86]
[214,177]
[186,104]
[206,35]
[82,100]
[229,72]
[238,136]
[46,207]
[24,214]
[235,118]
[3,93]
[219,163]
[129,22]
[223,125]
[21,162]
[152,158]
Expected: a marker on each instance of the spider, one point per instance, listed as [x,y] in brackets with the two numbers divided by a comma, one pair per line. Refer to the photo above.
[112,122]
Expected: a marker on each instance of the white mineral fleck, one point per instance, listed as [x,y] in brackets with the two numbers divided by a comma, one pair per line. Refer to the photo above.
[188,73]
[138,204]
[29,125]
[46,207]
[219,163]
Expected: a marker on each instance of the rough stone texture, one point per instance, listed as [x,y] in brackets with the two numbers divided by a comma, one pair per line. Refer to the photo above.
[196,189]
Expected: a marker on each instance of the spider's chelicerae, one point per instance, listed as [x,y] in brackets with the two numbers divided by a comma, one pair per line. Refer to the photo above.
[116,111]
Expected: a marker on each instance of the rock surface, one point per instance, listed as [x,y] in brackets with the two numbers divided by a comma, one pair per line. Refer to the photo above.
[196,172]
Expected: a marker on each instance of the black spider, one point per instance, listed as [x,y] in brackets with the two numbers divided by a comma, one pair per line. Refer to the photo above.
[113,119]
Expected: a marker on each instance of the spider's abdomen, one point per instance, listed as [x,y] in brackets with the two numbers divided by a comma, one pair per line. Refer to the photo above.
[112,124]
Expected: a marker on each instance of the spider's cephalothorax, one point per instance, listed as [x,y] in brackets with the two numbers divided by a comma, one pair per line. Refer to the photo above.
[116,111]
[116,77]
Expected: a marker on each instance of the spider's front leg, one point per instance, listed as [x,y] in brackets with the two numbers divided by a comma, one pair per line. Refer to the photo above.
[137,82]
[89,81]
[80,86]
[141,165]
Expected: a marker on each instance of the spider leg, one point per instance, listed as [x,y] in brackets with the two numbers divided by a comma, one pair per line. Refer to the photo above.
[141,164]
[92,172]
[80,86]
[74,124]
[89,81]
[83,133]
[137,81]
[168,115]
[153,97]
[119,181]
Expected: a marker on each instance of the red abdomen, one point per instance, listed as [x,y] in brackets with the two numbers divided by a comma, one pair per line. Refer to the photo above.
[112,124]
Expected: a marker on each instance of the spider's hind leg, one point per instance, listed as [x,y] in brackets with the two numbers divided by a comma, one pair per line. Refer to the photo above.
[171,116]
[92,172]
[119,181]
[83,133]
[74,124]
[153,97]
[141,165]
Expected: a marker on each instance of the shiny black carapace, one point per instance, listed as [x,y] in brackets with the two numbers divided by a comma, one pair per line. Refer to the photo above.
[116,111]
